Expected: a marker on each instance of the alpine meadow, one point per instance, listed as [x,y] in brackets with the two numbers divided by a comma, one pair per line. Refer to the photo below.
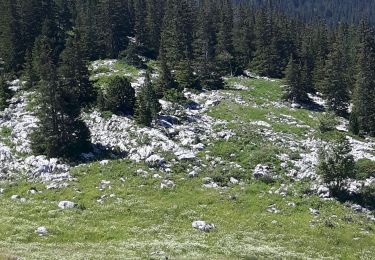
[187,129]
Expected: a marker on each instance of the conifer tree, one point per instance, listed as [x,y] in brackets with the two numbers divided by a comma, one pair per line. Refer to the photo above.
[295,89]
[208,73]
[73,70]
[29,73]
[60,132]
[243,38]
[5,92]
[166,80]
[336,164]
[335,85]
[118,97]
[11,43]
[364,107]
[147,105]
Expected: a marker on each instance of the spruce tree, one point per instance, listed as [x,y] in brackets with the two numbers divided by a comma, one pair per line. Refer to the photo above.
[5,92]
[11,42]
[295,89]
[60,132]
[336,164]
[166,80]
[205,65]
[29,73]
[73,70]
[118,97]
[335,85]
[147,105]
[364,93]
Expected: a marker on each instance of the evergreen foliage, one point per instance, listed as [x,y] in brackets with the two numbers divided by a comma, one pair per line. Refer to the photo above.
[118,97]
[295,88]
[60,132]
[5,92]
[147,105]
[336,164]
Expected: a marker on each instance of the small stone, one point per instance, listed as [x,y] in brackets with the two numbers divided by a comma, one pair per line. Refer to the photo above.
[274,222]
[104,162]
[66,204]
[193,174]
[41,231]
[15,197]
[234,181]
[314,212]
[203,226]
[167,184]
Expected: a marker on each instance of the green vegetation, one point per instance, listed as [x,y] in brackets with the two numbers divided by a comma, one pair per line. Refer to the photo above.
[142,220]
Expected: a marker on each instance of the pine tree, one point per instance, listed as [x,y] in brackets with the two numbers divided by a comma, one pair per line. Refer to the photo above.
[364,94]
[295,88]
[5,92]
[147,105]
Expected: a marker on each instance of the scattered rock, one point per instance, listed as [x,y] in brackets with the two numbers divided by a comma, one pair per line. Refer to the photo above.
[41,231]
[203,226]
[314,212]
[233,181]
[167,184]
[193,174]
[15,197]
[262,171]
[66,204]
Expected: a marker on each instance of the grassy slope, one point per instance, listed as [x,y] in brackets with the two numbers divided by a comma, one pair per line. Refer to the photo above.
[146,222]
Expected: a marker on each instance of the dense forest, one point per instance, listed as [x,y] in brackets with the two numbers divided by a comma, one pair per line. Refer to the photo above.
[332,11]
[49,42]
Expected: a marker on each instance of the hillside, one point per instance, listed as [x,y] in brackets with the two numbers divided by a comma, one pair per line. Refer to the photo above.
[240,158]
[332,11]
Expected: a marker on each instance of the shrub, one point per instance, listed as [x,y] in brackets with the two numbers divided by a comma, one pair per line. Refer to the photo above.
[131,56]
[367,196]
[336,164]
[327,122]
[365,169]
[118,97]
[175,96]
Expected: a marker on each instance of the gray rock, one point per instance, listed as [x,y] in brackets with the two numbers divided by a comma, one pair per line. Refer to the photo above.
[193,174]
[66,204]
[167,184]
[203,226]
[262,171]
[15,197]
[41,231]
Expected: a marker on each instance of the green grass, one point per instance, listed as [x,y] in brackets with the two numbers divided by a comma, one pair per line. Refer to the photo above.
[119,68]
[143,219]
